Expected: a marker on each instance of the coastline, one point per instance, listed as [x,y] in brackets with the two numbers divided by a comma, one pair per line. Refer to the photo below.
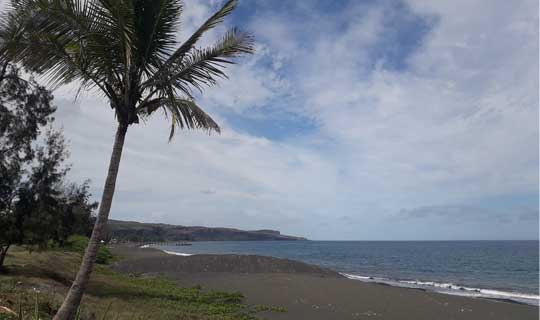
[432,286]
[312,292]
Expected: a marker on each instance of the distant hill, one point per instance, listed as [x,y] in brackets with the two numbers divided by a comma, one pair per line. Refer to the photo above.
[159,232]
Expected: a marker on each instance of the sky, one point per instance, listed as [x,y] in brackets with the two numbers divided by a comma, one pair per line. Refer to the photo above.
[354,120]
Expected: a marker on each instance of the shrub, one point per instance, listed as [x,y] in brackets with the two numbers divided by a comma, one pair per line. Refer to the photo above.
[79,243]
[104,256]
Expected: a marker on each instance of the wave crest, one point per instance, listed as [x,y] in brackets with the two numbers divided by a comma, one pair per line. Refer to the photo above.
[452,289]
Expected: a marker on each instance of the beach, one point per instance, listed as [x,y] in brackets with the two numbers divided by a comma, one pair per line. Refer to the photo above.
[311,292]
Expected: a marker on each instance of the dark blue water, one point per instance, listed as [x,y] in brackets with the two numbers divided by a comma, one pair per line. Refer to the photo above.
[496,269]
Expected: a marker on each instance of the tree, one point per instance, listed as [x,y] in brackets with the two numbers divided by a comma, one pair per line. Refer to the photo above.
[35,211]
[45,187]
[25,107]
[34,205]
[77,208]
[125,49]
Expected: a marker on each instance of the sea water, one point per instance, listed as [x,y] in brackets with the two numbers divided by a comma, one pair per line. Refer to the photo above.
[491,269]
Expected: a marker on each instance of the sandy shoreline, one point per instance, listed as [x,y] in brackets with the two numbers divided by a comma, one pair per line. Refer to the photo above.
[311,292]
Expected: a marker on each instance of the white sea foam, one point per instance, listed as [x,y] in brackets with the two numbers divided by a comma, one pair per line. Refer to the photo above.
[167,252]
[453,289]
[177,253]
[356,277]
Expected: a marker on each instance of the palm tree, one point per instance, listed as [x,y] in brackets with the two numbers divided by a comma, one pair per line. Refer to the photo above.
[126,50]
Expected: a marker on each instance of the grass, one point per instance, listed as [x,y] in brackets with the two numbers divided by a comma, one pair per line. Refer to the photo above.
[35,284]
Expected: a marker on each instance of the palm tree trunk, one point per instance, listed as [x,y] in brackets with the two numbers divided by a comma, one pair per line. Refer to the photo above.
[3,253]
[71,303]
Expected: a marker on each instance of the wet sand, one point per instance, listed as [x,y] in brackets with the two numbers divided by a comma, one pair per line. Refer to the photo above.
[310,292]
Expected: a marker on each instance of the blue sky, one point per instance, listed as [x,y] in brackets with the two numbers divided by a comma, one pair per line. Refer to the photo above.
[381,120]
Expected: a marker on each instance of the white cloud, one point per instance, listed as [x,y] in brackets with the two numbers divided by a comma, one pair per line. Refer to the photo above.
[250,86]
[460,123]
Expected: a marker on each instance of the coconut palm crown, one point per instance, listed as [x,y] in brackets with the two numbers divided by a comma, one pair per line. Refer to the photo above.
[127,50]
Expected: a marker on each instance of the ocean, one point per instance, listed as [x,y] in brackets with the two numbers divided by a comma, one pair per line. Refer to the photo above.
[490,269]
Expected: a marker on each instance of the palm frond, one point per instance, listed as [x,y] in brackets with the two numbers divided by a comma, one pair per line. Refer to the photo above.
[213,21]
[126,49]
[184,113]
[178,55]
[155,22]
[53,39]
[205,66]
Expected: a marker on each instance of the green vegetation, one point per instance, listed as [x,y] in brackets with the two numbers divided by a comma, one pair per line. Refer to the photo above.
[79,243]
[36,282]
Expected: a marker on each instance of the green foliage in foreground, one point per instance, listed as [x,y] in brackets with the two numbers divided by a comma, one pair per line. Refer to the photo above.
[35,284]
[79,243]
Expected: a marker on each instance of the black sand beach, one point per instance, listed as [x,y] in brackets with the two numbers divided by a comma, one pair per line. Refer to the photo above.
[311,292]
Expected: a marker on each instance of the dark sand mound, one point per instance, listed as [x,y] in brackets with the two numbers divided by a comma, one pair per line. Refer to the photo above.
[154,261]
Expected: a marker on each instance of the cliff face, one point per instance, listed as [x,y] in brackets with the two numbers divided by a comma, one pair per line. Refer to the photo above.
[137,231]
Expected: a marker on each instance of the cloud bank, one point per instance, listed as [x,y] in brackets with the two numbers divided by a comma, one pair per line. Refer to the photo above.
[357,120]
